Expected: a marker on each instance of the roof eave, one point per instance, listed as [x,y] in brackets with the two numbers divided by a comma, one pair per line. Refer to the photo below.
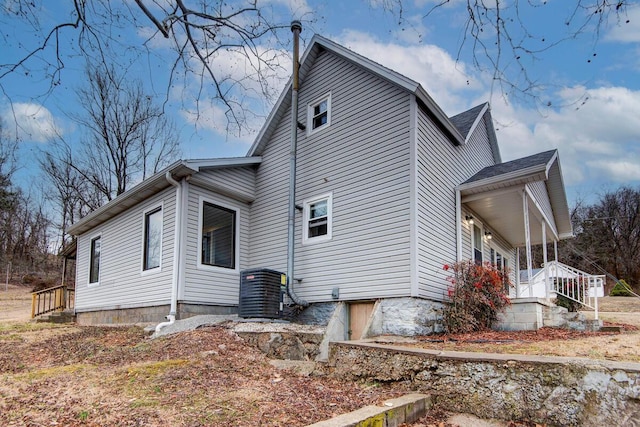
[129,198]
[530,174]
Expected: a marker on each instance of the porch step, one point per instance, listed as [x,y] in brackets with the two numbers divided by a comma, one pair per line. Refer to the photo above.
[57,317]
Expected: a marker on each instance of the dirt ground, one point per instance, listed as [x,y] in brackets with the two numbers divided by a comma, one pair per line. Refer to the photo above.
[93,376]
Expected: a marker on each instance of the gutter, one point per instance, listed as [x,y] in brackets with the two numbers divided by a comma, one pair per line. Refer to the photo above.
[171,318]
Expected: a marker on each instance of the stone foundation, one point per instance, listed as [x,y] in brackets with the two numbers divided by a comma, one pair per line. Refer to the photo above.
[555,391]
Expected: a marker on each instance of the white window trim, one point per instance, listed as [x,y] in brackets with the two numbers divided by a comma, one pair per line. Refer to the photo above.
[306,240]
[89,283]
[157,269]
[236,233]
[310,106]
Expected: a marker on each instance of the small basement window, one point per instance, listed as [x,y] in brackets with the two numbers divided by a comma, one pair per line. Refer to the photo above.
[319,114]
[317,219]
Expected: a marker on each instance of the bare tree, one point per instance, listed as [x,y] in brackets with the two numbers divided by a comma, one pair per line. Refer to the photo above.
[199,33]
[127,136]
[500,37]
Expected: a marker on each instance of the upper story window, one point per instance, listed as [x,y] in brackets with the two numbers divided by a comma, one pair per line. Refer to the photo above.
[94,261]
[319,114]
[218,236]
[152,239]
[317,221]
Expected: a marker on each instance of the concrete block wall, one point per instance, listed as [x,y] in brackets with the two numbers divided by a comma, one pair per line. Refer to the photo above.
[524,314]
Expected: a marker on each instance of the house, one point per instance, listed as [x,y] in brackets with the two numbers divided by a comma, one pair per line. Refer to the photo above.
[388,190]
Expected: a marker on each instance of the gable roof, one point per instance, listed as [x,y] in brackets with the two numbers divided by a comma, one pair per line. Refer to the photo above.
[467,122]
[153,185]
[319,44]
[543,167]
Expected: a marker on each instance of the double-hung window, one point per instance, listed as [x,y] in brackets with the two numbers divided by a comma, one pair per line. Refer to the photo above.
[218,236]
[94,261]
[317,221]
[152,239]
[319,114]
[477,244]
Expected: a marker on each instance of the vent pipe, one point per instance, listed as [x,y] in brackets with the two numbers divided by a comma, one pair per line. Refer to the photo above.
[296,28]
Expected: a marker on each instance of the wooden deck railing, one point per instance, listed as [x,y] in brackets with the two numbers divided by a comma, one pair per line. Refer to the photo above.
[46,301]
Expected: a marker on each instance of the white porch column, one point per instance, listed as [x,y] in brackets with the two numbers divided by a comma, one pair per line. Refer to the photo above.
[547,285]
[518,272]
[555,249]
[527,238]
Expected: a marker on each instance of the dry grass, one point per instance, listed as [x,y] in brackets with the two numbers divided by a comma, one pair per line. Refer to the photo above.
[92,376]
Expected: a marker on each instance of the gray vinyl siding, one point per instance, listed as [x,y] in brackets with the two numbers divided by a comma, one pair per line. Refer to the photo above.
[239,180]
[122,283]
[217,286]
[441,166]
[539,191]
[363,159]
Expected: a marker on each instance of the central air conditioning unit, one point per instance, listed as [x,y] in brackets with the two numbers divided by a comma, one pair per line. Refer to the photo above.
[261,293]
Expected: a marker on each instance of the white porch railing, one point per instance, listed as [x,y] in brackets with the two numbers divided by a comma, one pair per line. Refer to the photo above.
[574,284]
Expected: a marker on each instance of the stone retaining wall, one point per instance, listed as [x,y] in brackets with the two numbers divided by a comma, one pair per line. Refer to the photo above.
[547,390]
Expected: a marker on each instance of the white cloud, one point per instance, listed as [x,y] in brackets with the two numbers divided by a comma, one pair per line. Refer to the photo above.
[626,32]
[30,122]
[439,73]
[598,139]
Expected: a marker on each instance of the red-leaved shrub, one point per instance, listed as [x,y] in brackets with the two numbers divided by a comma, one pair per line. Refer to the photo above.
[478,293]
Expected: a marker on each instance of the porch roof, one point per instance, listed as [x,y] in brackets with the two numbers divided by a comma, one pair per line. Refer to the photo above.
[495,193]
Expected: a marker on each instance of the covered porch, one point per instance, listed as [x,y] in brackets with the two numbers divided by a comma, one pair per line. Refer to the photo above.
[524,202]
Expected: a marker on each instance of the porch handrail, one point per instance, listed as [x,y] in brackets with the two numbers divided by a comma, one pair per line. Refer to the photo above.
[576,285]
[57,298]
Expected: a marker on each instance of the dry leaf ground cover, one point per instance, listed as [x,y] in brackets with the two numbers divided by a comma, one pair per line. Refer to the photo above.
[621,346]
[90,376]
[98,376]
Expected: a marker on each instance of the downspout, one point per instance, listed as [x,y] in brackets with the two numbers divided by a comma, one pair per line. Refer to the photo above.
[296,28]
[458,226]
[171,318]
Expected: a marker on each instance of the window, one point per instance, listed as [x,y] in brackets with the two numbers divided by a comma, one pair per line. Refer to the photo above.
[477,244]
[317,219]
[94,262]
[218,237]
[152,239]
[319,114]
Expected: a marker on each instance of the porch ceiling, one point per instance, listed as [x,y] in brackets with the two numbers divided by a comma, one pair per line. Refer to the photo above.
[495,194]
[503,213]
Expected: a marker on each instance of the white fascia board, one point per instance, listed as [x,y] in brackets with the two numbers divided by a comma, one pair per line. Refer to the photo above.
[476,122]
[439,114]
[223,162]
[126,199]
[532,173]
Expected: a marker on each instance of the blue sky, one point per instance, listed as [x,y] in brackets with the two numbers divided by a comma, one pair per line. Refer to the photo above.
[591,82]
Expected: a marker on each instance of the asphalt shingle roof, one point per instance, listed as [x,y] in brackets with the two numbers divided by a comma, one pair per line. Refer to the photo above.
[466,119]
[514,165]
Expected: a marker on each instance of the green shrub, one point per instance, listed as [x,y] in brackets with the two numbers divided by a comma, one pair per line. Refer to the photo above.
[569,304]
[477,295]
[621,289]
